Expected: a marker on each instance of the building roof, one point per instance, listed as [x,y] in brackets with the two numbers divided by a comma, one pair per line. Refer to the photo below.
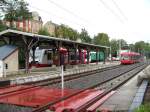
[6,50]
[31,35]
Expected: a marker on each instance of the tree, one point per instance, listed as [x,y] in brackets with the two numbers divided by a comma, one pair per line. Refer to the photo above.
[115,44]
[140,46]
[84,36]
[16,10]
[43,31]
[122,42]
[132,47]
[101,39]
[114,47]
[3,2]
[66,32]
[11,11]
[143,48]
[72,34]
[2,26]
[23,11]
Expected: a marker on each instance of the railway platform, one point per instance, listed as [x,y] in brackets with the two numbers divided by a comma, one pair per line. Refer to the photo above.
[122,100]
[38,74]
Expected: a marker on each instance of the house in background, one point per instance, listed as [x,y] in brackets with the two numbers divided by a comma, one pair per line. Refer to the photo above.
[8,60]
[51,27]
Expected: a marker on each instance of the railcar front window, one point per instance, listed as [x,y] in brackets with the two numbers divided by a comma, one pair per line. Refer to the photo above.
[125,57]
[38,54]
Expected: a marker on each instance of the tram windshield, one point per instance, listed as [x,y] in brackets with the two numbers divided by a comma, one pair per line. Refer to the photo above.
[124,57]
[38,54]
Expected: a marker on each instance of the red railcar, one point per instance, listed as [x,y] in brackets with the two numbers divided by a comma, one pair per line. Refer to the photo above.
[130,57]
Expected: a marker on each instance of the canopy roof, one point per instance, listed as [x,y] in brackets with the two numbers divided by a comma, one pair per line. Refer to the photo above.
[20,34]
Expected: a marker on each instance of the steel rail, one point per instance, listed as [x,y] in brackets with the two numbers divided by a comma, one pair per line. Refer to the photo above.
[86,105]
[44,107]
[55,80]
[78,75]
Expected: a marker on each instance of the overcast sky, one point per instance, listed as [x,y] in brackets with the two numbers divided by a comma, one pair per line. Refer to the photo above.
[126,19]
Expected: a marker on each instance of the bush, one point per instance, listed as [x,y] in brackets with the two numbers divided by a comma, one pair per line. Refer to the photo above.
[43,31]
[143,108]
[2,26]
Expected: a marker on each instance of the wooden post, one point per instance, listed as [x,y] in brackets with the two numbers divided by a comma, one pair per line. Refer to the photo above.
[75,51]
[26,59]
[33,55]
[28,45]
[104,56]
[88,55]
[59,54]
[68,55]
[80,56]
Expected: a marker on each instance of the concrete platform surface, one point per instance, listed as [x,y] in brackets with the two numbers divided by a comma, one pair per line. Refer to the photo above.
[36,75]
[122,99]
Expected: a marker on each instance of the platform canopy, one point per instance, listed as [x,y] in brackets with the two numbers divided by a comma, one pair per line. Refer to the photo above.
[29,41]
[15,35]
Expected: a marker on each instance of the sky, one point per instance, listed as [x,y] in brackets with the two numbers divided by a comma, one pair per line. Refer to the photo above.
[120,19]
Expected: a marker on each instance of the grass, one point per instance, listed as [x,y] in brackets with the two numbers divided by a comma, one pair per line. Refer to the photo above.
[143,108]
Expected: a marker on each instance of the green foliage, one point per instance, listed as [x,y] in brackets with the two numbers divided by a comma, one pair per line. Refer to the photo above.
[140,46]
[132,47]
[122,42]
[2,2]
[2,27]
[143,48]
[43,31]
[66,32]
[101,39]
[84,36]
[23,11]
[143,108]
[114,46]
[16,10]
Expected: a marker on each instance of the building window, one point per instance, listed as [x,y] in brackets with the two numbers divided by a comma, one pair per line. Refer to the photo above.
[6,66]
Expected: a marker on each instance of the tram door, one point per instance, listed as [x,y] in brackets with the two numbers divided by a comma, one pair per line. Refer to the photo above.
[49,57]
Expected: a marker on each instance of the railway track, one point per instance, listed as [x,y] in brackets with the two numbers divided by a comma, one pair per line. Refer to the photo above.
[83,108]
[70,80]
[96,85]
[54,80]
[93,79]
[74,76]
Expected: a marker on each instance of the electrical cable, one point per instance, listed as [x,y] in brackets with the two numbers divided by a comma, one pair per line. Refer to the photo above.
[112,11]
[68,11]
[119,9]
[48,12]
